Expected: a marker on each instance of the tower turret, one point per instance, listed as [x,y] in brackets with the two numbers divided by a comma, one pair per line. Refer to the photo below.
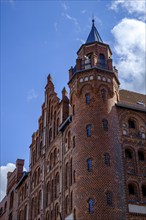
[96,161]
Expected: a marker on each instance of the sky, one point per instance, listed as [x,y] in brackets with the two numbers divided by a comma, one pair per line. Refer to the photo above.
[42,37]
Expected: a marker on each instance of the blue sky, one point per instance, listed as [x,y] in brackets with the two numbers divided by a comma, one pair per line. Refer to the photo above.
[42,37]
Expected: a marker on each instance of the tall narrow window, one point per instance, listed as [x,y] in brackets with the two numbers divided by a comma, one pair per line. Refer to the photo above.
[131,189]
[56,210]
[73,110]
[140,155]
[48,194]
[67,205]
[71,171]
[103,94]
[131,123]
[89,164]
[71,200]
[87,98]
[74,176]
[50,135]
[128,154]
[109,198]
[102,63]
[144,190]
[67,174]
[52,189]
[57,185]
[11,199]
[47,216]
[91,205]
[105,124]
[55,156]
[73,141]
[54,131]
[88,129]
[107,159]
[69,139]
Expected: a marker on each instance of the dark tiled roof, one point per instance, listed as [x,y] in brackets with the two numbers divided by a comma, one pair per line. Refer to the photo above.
[93,35]
[132,100]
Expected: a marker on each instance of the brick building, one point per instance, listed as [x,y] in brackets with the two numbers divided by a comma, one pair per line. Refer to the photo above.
[88,156]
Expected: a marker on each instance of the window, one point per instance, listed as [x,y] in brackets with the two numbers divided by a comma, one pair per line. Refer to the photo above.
[107,159]
[54,130]
[144,190]
[91,206]
[55,156]
[69,137]
[131,123]
[109,198]
[102,62]
[88,129]
[71,200]
[140,155]
[74,176]
[89,164]
[52,189]
[71,171]
[5,207]
[57,185]
[48,194]
[11,199]
[105,124]
[73,141]
[47,216]
[128,154]
[87,98]
[58,122]
[25,212]
[103,94]
[131,190]
[56,210]
[67,205]
[50,135]
[39,201]
[67,174]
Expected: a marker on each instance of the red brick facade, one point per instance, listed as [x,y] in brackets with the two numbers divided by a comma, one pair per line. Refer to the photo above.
[88,156]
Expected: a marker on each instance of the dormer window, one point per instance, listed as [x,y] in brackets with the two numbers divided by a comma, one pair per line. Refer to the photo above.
[131,124]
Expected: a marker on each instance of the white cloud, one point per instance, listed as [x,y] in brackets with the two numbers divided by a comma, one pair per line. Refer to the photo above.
[81,40]
[31,95]
[83,11]
[135,6]
[64,5]
[130,47]
[56,26]
[74,20]
[3,178]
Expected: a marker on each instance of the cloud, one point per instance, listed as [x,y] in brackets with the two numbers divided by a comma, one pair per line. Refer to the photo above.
[31,95]
[130,48]
[137,6]
[83,11]
[56,26]
[3,178]
[81,40]
[74,20]
[64,5]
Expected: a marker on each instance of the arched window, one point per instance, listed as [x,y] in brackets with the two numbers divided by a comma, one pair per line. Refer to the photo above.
[107,159]
[25,212]
[55,156]
[131,124]
[56,210]
[52,189]
[140,155]
[73,141]
[91,205]
[51,161]
[88,130]
[144,190]
[103,94]
[67,204]
[102,62]
[87,98]
[128,154]
[109,198]
[74,176]
[32,208]
[71,200]
[48,194]
[39,201]
[132,189]
[54,132]
[74,214]
[5,207]
[50,135]
[67,174]
[58,122]
[89,164]
[39,173]
[57,185]
[47,216]
[105,124]
[11,199]
[69,140]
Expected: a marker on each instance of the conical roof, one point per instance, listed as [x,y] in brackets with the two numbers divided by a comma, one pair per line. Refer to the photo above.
[93,35]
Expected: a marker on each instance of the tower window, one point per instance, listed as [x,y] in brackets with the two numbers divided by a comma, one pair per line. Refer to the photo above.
[87,98]
[144,190]
[74,141]
[107,159]
[131,124]
[128,154]
[140,155]
[73,110]
[88,129]
[102,62]
[91,205]
[109,198]
[103,94]
[89,164]
[132,190]
[105,124]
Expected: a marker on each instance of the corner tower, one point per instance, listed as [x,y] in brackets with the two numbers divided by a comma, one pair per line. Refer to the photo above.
[98,190]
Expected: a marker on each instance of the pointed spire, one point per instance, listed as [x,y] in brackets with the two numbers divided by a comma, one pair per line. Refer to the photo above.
[93,35]
[64,92]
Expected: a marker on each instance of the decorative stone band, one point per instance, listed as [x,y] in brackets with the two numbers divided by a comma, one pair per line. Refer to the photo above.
[137,209]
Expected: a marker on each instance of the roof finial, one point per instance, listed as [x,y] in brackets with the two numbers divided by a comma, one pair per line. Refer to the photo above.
[93,18]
